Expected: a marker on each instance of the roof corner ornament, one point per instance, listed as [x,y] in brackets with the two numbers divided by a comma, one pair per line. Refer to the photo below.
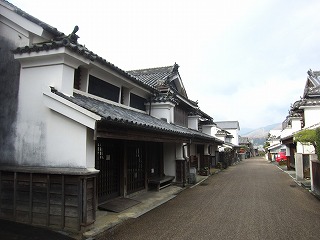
[175,67]
[161,82]
[310,73]
[73,37]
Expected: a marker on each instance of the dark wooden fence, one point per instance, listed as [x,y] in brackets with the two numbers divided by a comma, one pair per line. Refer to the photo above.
[51,199]
[316,176]
[228,158]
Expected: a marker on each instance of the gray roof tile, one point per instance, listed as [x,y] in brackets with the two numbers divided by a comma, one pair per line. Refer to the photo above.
[123,116]
[315,91]
[228,124]
[244,140]
[73,45]
[151,76]
[156,78]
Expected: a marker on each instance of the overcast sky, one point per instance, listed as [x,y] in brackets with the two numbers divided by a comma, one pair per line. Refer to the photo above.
[242,60]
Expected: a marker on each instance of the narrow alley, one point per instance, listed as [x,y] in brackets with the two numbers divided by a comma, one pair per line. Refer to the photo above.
[252,200]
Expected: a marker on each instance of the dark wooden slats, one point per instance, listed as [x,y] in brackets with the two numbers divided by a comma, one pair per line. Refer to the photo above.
[136,167]
[51,200]
[108,162]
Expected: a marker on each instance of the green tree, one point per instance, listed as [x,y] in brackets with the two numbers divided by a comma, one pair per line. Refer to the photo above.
[307,136]
[311,136]
[318,142]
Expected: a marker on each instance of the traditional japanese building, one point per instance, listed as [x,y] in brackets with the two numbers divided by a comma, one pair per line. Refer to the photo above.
[79,131]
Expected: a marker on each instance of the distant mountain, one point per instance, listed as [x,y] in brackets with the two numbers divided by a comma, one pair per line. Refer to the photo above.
[244,131]
[259,135]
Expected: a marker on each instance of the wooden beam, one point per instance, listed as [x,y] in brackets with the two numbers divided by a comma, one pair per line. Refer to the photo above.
[140,136]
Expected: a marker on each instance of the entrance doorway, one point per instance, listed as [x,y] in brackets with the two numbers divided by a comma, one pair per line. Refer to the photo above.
[136,174]
[108,161]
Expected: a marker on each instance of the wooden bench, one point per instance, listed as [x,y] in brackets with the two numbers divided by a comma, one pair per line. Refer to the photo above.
[161,182]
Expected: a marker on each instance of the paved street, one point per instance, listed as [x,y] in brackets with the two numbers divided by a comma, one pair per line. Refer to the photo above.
[252,200]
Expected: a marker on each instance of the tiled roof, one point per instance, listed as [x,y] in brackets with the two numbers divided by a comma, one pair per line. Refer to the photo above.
[71,43]
[165,97]
[312,84]
[244,140]
[304,102]
[314,77]
[229,144]
[295,115]
[228,124]
[314,91]
[151,76]
[127,117]
[156,77]
[296,105]
[222,132]
[311,102]
[45,26]
[207,122]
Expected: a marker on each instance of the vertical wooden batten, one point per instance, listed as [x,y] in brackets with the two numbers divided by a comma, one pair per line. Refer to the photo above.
[54,198]
[48,200]
[82,202]
[0,193]
[30,198]
[15,196]
[62,202]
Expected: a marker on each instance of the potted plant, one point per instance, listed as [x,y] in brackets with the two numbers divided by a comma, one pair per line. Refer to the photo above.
[204,171]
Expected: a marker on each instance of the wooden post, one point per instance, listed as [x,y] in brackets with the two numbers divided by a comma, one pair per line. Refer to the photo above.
[62,202]
[0,192]
[83,198]
[14,196]
[124,186]
[48,200]
[30,198]
[95,197]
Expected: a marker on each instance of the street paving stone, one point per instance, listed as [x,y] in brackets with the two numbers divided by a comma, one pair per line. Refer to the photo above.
[251,200]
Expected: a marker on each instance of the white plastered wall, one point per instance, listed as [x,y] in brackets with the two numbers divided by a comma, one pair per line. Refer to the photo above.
[235,134]
[162,111]
[311,116]
[208,129]
[46,137]
[305,148]
[296,124]
[193,122]
[69,144]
